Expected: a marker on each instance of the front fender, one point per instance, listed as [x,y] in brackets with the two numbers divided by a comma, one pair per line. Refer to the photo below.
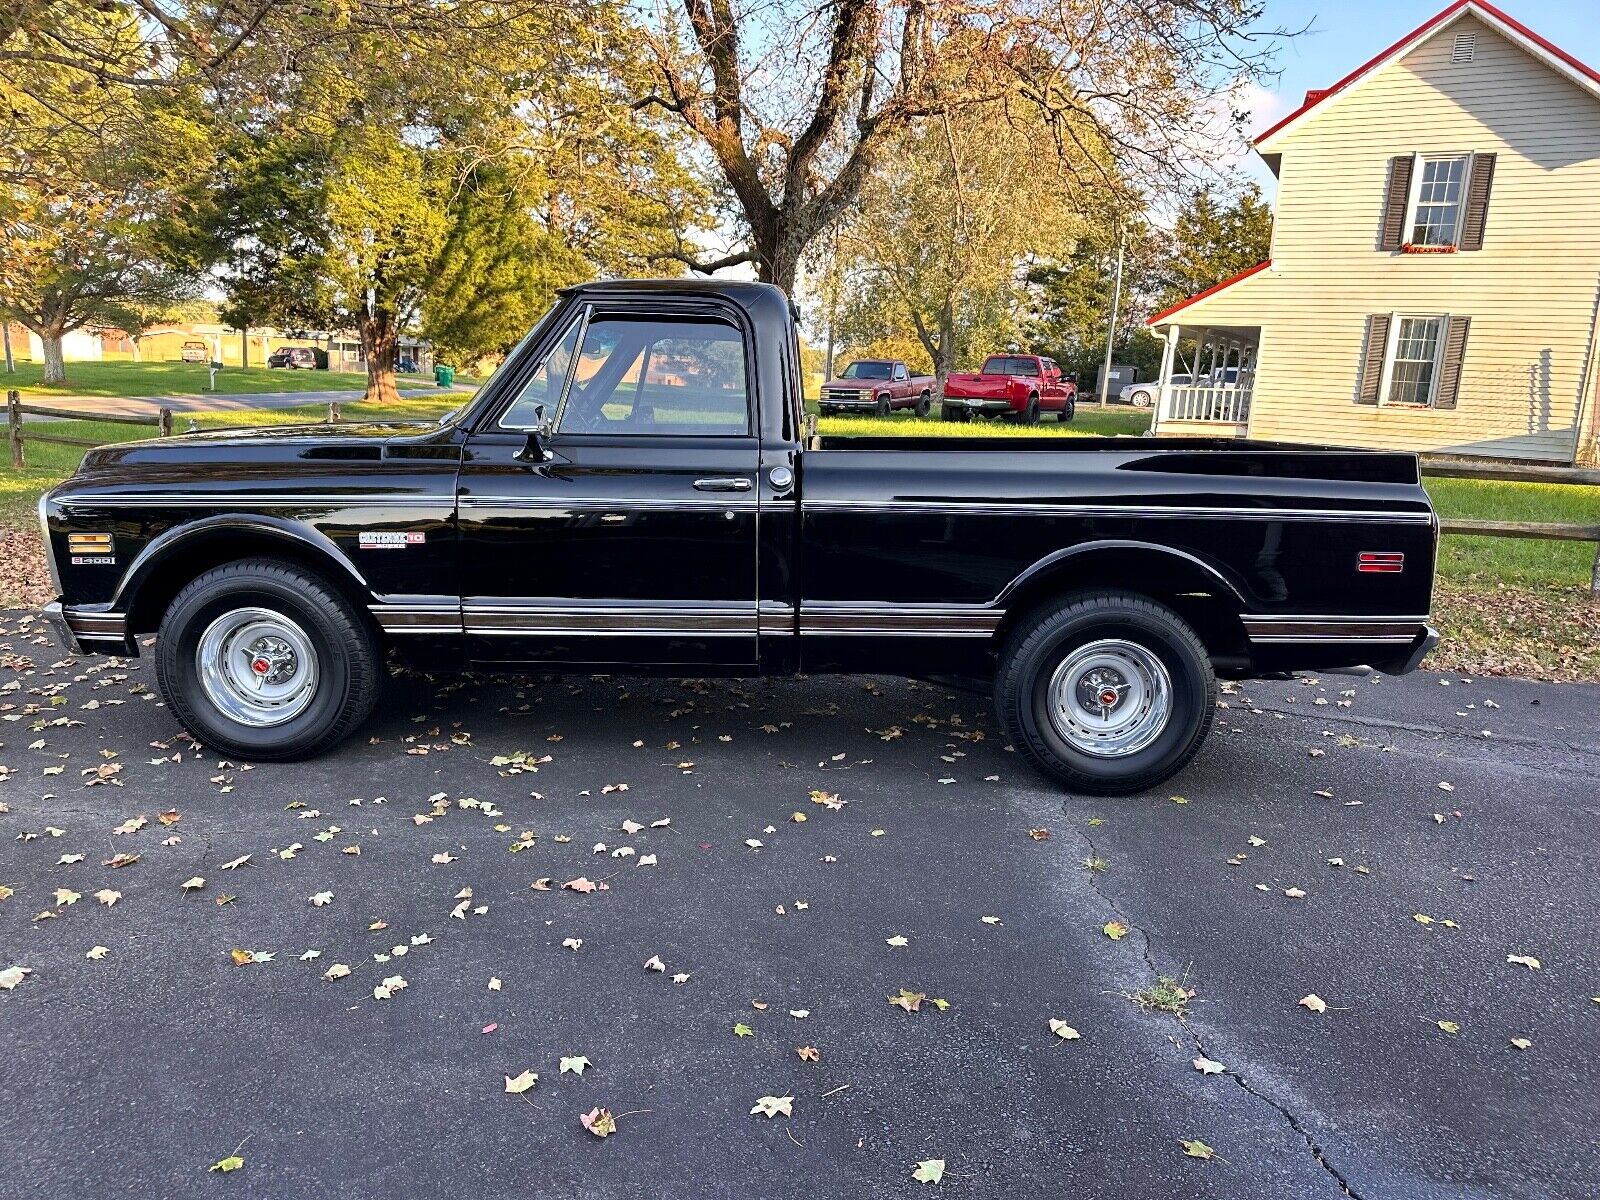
[186,538]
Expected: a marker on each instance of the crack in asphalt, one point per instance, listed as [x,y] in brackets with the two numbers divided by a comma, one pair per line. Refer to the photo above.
[1148,951]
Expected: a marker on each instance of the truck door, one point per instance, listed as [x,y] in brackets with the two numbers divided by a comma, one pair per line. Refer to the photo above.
[608,507]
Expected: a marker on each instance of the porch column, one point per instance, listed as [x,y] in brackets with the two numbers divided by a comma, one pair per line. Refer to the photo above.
[1169,353]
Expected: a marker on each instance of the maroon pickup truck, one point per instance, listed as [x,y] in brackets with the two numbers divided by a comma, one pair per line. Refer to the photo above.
[1016,386]
[877,385]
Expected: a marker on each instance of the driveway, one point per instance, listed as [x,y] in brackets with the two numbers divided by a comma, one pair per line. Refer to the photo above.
[1298,856]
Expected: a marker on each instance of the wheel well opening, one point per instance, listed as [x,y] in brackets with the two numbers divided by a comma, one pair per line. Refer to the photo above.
[1196,595]
[177,569]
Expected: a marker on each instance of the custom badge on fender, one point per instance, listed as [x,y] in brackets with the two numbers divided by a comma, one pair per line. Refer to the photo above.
[391,541]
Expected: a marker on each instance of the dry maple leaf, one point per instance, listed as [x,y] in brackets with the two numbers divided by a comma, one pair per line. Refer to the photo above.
[599,1122]
[580,884]
[654,963]
[771,1106]
[1063,1031]
[518,1084]
[908,1000]
[808,1053]
[1195,1148]
[1314,1002]
[929,1170]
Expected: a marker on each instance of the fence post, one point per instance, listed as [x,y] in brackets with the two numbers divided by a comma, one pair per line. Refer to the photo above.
[165,422]
[14,427]
[334,414]
[1594,575]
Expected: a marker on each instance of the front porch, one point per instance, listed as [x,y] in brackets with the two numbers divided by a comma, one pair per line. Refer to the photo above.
[1207,375]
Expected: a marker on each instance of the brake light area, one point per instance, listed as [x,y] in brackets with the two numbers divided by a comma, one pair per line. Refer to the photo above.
[1380,562]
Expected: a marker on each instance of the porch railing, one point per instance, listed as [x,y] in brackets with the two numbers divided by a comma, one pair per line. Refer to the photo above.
[1227,404]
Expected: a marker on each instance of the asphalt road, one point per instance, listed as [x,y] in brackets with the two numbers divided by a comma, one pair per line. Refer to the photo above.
[130,1074]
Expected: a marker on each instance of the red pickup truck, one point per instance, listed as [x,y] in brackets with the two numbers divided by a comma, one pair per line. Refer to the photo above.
[1016,386]
[877,385]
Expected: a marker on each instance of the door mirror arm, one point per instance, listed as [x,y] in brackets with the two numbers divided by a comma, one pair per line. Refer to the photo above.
[534,450]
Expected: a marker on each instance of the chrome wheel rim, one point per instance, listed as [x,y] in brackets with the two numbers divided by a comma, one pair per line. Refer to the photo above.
[257,667]
[1110,698]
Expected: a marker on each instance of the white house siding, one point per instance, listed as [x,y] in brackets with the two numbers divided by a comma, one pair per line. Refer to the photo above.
[1531,291]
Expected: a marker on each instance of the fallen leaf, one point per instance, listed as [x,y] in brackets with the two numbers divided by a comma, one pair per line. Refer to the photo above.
[599,1122]
[740,1029]
[66,897]
[1521,1043]
[771,1106]
[322,899]
[580,884]
[232,1163]
[1195,1148]
[575,1064]
[494,983]
[929,1170]
[389,987]
[96,953]
[11,976]
[654,963]
[808,1053]
[337,971]
[231,864]
[1524,960]
[1115,930]
[521,1083]
[897,940]
[1450,1027]
[1039,835]
[1314,1002]
[1063,1031]
[1208,1066]
[193,885]
[107,896]
[908,1000]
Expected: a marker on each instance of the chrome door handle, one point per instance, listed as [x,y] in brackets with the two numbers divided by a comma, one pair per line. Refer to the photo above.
[722,485]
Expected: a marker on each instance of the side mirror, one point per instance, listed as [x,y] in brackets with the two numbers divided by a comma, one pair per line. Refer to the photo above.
[1072,377]
[533,450]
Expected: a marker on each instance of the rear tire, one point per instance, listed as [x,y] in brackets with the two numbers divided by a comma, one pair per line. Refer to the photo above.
[1029,415]
[951,413]
[1125,645]
[263,660]
[924,405]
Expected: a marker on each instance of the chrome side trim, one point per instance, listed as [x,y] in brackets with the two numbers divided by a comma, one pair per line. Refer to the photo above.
[559,504]
[988,508]
[1331,630]
[222,500]
[535,618]
[856,619]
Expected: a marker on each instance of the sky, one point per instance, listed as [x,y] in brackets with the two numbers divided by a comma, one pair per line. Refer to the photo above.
[1343,34]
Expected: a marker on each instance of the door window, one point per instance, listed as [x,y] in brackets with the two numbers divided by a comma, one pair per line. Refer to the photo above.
[680,377]
[546,386]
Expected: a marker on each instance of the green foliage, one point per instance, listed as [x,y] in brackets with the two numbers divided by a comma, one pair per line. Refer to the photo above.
[1212,240]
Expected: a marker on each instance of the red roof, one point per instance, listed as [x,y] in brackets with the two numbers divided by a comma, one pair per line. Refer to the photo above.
[1210,291]
[1480,7]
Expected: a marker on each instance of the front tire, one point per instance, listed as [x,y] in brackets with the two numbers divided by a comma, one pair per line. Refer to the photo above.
[885,408]
[1107,693]
[924,405]
[262,660]
[1069,409]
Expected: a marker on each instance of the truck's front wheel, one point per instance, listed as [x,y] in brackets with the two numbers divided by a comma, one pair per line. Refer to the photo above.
[1107,693]
[263,660]
[924,404]
[885,408]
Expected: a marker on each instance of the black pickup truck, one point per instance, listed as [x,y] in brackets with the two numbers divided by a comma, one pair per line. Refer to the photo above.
[634,491]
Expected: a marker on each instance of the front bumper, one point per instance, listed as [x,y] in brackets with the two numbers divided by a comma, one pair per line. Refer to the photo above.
[861,400]
[82,632]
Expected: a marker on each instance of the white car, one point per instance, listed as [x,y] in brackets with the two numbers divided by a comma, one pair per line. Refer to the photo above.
[1143,395]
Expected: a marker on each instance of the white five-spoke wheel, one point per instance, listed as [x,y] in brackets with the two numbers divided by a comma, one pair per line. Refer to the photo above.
[1110,698]
[265,660]
[1106,692]
[257,666]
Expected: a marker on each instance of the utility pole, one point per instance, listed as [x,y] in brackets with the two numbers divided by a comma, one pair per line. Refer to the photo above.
[1111,333]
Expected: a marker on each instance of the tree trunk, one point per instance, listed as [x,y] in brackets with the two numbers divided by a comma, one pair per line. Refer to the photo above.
[944,360]
[380,344]
[55,364]
[244,349]
[135,342]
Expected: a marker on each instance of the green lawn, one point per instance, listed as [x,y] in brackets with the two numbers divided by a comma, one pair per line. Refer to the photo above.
[48,464]
[1089,422]
[180,378]
[1515,560]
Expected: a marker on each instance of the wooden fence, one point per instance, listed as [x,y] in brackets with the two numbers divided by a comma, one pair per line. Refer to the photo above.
[1566,476]
[16,410]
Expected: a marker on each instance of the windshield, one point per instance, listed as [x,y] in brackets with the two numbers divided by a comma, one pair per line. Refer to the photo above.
[867,370]
[1005,364]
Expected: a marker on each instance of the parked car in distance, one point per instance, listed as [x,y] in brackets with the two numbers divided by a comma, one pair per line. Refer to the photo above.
[1018,387]
[1143,395]
[877,385]
[194,352]
[632,492]
[295,358]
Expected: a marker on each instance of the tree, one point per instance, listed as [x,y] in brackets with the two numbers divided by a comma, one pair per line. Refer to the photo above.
[451,190]
[1072,300]
[1213,239]
[82,203]
[947,221]
[796,103]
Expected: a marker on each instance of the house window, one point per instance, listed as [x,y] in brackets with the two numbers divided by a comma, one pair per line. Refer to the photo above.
[1441,192]
[1413,368]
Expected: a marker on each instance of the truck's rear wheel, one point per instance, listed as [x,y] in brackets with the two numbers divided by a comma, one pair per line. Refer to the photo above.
[924,404]
[951,413]
[1030,414]
[1107,693]
[262,660]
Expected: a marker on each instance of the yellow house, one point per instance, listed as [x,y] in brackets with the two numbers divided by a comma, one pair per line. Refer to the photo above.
[1434,282]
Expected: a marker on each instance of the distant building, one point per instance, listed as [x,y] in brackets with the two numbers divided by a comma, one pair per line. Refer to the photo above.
[1434,282]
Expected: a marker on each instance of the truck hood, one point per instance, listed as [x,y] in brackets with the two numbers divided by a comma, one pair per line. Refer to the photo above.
[859,385]
[225,456]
